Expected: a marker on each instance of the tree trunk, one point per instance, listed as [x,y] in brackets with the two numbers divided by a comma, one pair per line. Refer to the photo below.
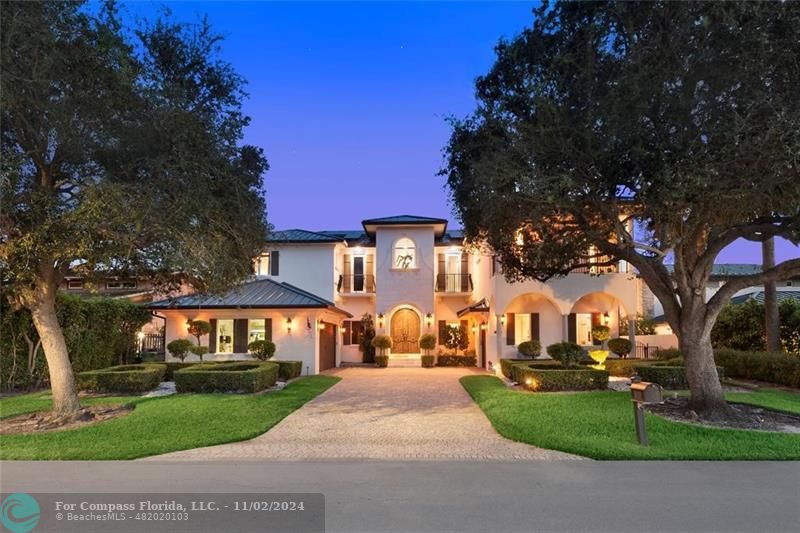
[706,395]
[771,317]
[62,379]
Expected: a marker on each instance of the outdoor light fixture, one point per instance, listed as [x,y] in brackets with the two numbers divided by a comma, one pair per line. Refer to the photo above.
[474,329]
[321,325]
[428,319]
[380,320]
[503,319]
[484,326]
[140,335]
[606,318]
[289,325]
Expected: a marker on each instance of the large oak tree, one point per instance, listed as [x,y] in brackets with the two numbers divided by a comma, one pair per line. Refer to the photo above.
[122,155]
[654,133]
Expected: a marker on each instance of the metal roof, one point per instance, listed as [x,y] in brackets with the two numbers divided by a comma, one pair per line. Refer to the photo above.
[260,293]
[303,236]
[729,269]
[782,295]
[403,219]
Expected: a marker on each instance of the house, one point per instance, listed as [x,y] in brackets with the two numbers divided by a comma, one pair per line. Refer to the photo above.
[414,276]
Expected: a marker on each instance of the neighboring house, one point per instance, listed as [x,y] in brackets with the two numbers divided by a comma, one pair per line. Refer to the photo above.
[414,276]
[135,290]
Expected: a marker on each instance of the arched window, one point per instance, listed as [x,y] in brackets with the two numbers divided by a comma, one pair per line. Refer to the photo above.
[405,253]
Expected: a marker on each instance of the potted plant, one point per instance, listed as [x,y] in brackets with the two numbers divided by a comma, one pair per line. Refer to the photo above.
[531,348]
[382,343]
[263,350]
[179,348]
[427,343]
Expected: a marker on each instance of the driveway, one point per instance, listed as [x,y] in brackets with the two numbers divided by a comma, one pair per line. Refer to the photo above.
[391,413]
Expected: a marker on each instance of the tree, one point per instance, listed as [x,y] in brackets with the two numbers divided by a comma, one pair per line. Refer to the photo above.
[367,334]
[639,132]
[121,154]
[457,338]
[198,328]
[772,324]
[180,348]
[742,327]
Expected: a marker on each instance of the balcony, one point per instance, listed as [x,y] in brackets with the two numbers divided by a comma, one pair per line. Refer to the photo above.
[599,268]
[454,283]
[356,284]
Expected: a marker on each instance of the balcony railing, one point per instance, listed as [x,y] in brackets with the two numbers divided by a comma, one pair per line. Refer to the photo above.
[356,283]
[598,269]
[453,283]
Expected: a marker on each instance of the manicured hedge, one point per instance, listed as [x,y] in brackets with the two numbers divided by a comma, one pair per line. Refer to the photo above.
[777,368]
[506,364]
[227,377]
[550,380]
[124,378]
[669,377]
[428,361]
[624,368]
[457,360]
[173,366]
[382,361]
[289,369]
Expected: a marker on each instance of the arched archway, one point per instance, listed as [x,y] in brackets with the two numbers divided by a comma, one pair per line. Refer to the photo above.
[593,309]
[530,316]
[405,331]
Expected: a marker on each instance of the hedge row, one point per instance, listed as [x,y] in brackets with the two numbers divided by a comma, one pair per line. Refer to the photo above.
[124,378]
[624,368]
[457,360]
[288,369]
[547,380]
[227,377]
[506,364]
[777,368]
[669,377]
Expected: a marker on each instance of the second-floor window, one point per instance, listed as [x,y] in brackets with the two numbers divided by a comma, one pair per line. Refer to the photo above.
[116,285]
[267,264]
[405,254]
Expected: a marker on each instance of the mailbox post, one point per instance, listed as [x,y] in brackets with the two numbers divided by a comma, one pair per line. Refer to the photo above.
[643,393]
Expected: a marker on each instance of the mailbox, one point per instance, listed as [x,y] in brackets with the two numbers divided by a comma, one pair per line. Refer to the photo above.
[645,392]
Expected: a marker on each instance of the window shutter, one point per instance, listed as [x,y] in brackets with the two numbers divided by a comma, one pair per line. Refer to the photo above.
[510,333]
[274,259]
[535,326]
[572,328]
[441,278]
[240,335]
[268,329]
[212,336]
[442,332]
[357,328]
[464,272]
[347,325]
[370,273]
[347,277]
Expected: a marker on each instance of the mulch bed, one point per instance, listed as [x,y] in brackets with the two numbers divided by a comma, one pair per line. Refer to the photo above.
[743,416]
[43,421]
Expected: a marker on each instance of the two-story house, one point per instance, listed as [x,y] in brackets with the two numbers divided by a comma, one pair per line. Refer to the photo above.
[413,276]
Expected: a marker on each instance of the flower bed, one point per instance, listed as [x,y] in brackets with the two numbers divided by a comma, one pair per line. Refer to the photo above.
[124,378]
[227,377]
[550,379]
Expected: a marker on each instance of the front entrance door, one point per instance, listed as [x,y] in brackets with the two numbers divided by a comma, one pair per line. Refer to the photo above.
[405,332]
[483,347]
[327,347]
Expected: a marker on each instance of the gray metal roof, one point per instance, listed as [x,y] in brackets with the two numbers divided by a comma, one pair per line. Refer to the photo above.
[784,294]
[404,219]
[303,236]
[729,269]
[256,294]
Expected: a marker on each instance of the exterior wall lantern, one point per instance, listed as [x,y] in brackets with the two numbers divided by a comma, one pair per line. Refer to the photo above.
[474,329]
[606,318]
[380,320]
[321,325]
[484,326]
[428,320]
[289,325]
[503,320]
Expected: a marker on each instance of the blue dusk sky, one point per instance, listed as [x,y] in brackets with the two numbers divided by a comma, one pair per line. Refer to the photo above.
[349,100]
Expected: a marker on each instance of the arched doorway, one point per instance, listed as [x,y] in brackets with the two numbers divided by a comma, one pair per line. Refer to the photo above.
[405,331]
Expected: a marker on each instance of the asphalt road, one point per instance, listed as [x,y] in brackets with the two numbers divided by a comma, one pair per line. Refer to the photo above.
[471,496]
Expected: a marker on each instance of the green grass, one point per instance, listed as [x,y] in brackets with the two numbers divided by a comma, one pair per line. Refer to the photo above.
[600,425]
[159,425]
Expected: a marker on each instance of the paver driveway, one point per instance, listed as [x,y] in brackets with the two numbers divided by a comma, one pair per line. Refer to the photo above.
[393,413]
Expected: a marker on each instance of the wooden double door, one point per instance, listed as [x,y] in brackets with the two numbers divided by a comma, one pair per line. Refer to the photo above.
[405,331]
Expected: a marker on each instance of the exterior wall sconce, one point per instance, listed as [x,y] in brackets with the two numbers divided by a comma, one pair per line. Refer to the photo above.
[503,319]
[606,318]
[428,320]
[289,325]
[321,325]
[484,326]
[474,329]
[380,320]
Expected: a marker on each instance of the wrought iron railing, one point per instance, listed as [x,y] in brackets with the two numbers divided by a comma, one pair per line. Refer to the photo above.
[152,343]
[453,282]
[356,283]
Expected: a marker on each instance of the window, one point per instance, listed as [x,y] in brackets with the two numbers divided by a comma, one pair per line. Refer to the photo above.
[267,264]
[405,255]
[75,284]
[522,327]
[256,330]
[116,285]
[225,336]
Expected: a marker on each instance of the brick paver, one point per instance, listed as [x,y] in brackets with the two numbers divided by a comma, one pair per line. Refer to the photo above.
[394,413]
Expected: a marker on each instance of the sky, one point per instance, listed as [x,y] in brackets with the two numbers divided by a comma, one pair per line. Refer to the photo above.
[349,100]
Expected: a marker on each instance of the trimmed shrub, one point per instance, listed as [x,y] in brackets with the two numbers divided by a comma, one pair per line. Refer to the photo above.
[569,354]
[123,378]
[600,334]
[506,364]
[665,354]
[532,349]
[172,366]
[382,343]
[552,380]
[624,368]
[381,361]
[777,368]
[227,377]
[428,361]
[262,349]
[199,351]
[457,360]
[289,369]
[179,348]
[427,342]
[669,377]
[621,347]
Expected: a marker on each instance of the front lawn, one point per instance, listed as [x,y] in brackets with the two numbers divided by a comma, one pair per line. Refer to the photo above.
[600,425]
[160,425]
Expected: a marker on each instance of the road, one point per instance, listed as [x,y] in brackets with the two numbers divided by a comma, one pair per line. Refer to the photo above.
[470,496]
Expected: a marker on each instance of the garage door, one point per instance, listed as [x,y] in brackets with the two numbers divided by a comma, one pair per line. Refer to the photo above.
[327,347]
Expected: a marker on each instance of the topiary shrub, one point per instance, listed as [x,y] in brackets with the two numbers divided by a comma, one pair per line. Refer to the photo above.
[381,361]
[457,360]
[531,348]
[122,379]
[382,343]
[427,361]
[179,348]
[569,354]
[198,328]
[245,377]
[669,377]
[552,380]
[199,351]
[621,347]
[427,342]
[262,349]
[600,334]
[289,369]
